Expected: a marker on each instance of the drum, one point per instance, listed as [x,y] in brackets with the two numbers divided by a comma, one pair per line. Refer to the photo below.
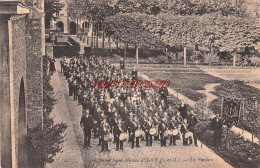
[167,133]
[175,132]
[123,136]
[139,133]
[188,135]
[153,131]
[108,137]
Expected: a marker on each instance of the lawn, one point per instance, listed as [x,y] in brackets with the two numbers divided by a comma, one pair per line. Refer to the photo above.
[184,81]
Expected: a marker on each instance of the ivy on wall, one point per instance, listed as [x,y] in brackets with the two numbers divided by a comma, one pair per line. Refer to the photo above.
[47,139]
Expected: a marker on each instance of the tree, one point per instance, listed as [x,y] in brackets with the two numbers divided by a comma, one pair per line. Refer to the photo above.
[222,33]
[51,7]
[188,7]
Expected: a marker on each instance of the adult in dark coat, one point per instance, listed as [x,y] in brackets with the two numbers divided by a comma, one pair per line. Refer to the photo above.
[134,74]
[86,123]
[183,110]
[62,62]
[164,93]
[216,126]
[122,64]
[192,124]
[52,65]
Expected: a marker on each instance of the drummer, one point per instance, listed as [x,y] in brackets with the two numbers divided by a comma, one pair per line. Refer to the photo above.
[156,122]
[151,125]
[104,132]
[184,130]
[172,126]
[162,128]
[129,125]
[137,122]
[119,129]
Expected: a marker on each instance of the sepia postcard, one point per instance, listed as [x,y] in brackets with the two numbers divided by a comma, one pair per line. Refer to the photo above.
[129,83]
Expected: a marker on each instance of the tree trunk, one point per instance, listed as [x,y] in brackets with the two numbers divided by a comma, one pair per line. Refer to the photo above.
[84,35]
[166,53]
[103,39]
[77,28]
[92,39]
[137,55]
[185,56]
[234,60]
[87,39]
[80,34]
[109,43]
[117,45]
[97,39]
[125,51]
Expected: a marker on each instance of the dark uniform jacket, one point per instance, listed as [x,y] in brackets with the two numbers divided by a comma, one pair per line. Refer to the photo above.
[183,111]
[87,123]
[122,64]
[216,125]
[162,127]
[120,128]
[192,122]
[172,124]
[134,75]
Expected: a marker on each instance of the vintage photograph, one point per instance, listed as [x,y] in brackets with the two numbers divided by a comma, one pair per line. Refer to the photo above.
[129,83]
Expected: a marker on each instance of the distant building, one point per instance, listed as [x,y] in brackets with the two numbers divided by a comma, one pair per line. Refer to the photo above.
[67,25]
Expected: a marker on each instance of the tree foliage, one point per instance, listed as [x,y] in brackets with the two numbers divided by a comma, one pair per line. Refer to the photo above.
[224,33]
[51,7]
[130,28]
[195,7]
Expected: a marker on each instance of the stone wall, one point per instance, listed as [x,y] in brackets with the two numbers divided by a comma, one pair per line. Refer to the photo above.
[34,73]
[5,115]
[19,68]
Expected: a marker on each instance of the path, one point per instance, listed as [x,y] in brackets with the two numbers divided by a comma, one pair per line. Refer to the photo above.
[71,155]
[208,89]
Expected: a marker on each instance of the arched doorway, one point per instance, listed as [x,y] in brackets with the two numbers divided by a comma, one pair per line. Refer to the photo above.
[73,28]
[22,129]
[60,26]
